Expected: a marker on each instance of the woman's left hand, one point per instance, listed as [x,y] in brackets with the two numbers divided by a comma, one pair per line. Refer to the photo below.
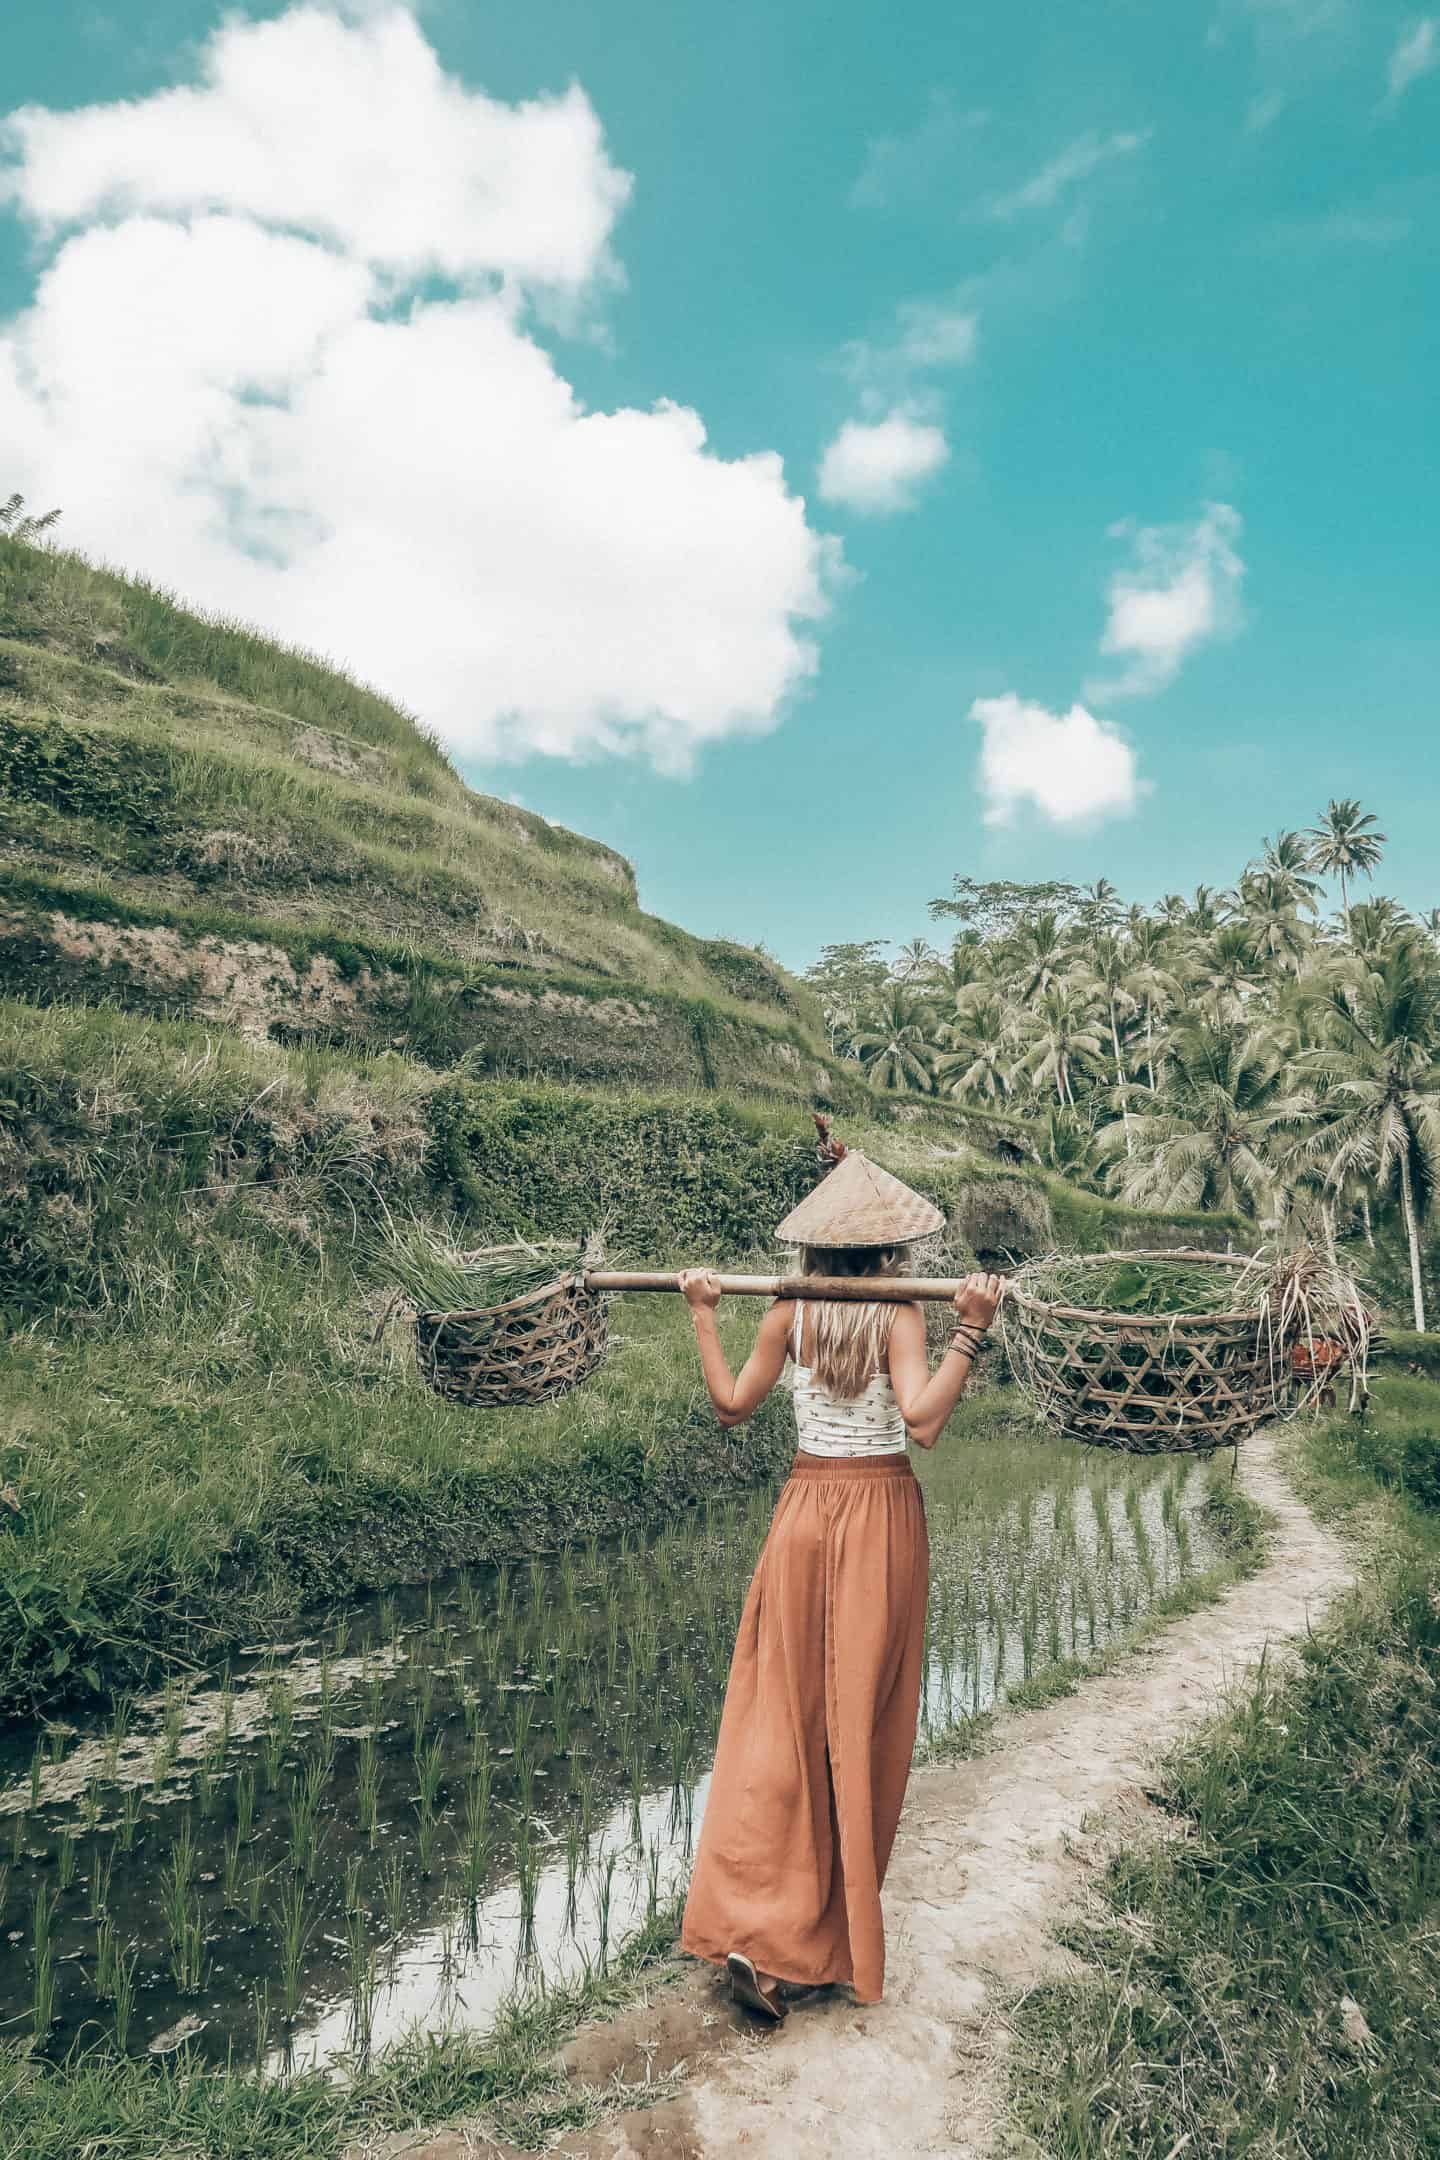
[977,1300]
[701,1287]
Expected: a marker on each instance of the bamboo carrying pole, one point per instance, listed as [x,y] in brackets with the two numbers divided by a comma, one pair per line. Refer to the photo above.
[852,1289]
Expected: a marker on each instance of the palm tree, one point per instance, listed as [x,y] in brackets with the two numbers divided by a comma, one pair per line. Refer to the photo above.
[917,959]
[1225,968]
[981,1053]
[1345,844]
[1220,1141]
[1375,925]
[1041,953]
[1288,860]
[1382,1075]
[1062,1032]
[1108,971]
[893,1039]
[1278,934]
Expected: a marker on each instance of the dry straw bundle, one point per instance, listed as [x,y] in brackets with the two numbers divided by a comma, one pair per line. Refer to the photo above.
[1169,1351]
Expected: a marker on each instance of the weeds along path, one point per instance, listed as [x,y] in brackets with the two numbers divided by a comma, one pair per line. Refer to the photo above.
[990,1852]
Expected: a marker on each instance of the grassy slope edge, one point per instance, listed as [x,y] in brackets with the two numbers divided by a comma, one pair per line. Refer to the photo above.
[1269,1980]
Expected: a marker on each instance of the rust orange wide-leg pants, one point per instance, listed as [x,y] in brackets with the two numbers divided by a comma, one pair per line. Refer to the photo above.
[818,1730]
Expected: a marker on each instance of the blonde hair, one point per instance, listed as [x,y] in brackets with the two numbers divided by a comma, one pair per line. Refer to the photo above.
[849,1342]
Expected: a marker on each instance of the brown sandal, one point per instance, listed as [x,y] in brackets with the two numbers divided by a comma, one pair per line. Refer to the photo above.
[745,1988]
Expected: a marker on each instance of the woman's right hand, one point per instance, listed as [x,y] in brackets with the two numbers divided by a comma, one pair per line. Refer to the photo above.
[701,1288]
[978,1300]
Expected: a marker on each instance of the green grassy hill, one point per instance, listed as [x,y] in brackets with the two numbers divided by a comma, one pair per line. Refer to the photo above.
[196,822]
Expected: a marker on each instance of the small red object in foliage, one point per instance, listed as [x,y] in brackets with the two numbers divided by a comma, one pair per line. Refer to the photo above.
[1317,1354]
[829,1151]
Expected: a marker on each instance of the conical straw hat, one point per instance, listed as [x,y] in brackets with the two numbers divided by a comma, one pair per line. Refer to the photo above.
[859,1204]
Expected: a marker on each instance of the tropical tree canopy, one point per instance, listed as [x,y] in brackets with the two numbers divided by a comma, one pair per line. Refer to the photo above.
[1251,1049]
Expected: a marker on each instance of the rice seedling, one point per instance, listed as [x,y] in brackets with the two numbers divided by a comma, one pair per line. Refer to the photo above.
[255,1895]
[340,1637]
[184,1921]
[66,1857]
[107,1950]
[294,1929]
[364,1975]
[176,1702]
[527,1874]
[307,1791]
[42,1966]
[604,1893]
[120,1714]
[244,1804]
[17,1837]
[393,1894]
[230,1872]
[263,2017]
[123,1995]
[37,1773]
[367,1786]
[477,1835]
[573,1851]
[426,1837]
[129,1818]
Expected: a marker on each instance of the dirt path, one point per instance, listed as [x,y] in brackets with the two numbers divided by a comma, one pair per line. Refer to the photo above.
[989,1853]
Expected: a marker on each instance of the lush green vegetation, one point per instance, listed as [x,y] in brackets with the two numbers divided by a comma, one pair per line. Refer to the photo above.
[1269,1980]
[1234,1051]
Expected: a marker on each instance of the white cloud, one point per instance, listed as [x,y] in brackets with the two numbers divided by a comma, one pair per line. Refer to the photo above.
[1073,164]
[1073,768]
[925,335]
[1415,55]
[1182,589]
[877,466]
[350,132]
[907,167]
[280,356]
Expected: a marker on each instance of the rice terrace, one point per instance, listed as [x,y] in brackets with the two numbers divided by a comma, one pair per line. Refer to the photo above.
[656,1542]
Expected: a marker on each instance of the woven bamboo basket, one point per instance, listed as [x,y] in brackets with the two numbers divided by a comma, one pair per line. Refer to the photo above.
[1151,1383]
[527,1351]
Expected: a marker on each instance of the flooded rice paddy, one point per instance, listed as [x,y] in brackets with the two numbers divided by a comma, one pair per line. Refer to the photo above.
[444,1797]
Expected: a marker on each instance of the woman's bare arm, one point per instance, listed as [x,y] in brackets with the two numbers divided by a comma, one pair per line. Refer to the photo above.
[735,1399]
[926,1399]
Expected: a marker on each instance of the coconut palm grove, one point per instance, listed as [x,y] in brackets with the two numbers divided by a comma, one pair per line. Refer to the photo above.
[1241,1049]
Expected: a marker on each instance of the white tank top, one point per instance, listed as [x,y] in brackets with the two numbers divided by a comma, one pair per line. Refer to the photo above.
[827,1425]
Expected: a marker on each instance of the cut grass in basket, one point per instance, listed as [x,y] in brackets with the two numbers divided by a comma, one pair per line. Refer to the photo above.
[438,1276]
[1121,1285]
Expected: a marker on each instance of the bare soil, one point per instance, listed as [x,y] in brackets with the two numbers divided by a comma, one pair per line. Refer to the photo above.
[990,1853]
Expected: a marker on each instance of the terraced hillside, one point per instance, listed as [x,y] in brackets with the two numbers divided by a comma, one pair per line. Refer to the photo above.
[196,822]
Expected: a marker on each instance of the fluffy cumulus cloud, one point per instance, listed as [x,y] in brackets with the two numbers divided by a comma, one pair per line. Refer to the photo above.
[283,353]
[1070,767]
[878,466]
[1181,590]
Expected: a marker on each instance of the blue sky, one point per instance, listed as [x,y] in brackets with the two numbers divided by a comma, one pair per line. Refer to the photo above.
[1073,328]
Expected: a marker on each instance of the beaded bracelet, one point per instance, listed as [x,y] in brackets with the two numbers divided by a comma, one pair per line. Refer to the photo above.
[970,1341]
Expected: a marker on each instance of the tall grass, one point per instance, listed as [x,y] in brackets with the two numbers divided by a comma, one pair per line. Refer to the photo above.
[1269,1980]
